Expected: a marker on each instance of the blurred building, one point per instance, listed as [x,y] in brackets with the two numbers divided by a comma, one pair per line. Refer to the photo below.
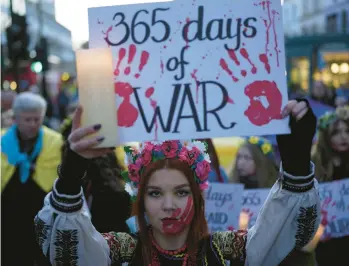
[317,42]
[40,17]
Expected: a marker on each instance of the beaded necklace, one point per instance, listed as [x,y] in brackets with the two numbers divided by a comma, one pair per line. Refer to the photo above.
[178,254]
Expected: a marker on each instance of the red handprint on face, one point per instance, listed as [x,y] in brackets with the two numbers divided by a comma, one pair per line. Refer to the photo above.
[127,113]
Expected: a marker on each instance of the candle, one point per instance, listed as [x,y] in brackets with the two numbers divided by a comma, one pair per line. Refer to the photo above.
[96,92]
[244,220]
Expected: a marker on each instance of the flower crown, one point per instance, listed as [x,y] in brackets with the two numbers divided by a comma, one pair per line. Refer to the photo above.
[263,144]
[341,113]
[194,153]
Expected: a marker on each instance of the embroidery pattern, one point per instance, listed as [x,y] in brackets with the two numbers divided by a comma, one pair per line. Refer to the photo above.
[121,246]
[306,225]
[231,243]
[41,231]
[66,248]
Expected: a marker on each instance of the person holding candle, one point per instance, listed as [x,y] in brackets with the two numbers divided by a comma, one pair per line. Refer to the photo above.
[166,180]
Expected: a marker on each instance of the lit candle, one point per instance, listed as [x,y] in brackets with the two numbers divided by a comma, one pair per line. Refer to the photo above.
[243,221]
[96,92]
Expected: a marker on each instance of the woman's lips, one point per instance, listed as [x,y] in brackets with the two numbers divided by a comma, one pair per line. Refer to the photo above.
[256,112]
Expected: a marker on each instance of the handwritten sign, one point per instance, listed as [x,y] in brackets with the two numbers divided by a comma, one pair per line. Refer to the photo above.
[252,202]
[223,205]
[335,208]
[196,68]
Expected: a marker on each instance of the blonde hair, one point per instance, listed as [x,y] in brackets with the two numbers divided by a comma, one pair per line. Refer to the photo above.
[323,153]
[266,169]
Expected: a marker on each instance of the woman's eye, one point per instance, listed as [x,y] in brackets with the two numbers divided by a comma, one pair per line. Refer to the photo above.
[182,193]
[154,194]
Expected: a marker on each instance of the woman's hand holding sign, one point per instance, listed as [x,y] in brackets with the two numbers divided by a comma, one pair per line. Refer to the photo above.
[295,148]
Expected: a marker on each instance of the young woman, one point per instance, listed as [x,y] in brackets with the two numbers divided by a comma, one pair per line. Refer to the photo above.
[166,180]
[255,168]
[331,158]
[331,155]
[255,165]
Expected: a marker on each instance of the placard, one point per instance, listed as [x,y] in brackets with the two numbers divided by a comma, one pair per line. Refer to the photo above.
[195,69]
[252,202]
[335,208]
[223,205]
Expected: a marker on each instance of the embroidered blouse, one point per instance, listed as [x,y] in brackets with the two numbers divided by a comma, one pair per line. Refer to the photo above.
[287,222]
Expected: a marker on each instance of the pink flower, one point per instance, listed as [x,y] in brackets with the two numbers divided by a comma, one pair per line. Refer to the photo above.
[148,146]
[146,156]
[189,156]
[204,186]
[139,163]
[133,172]
[202,170]
[170,148]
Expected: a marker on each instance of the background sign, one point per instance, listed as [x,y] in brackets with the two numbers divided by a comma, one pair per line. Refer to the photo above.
[195,69]
[223,206]
[335,208]
[252,202]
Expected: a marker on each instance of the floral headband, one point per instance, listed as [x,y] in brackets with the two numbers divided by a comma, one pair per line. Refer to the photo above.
[341,113]
[263,144]
[194,153]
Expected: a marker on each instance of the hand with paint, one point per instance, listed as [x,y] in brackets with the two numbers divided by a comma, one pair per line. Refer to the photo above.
[295,148]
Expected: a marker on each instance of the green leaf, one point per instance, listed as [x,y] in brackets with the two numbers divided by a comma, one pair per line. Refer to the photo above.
[125,176]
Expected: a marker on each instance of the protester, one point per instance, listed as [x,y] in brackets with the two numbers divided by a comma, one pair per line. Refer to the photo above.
[30,154]
[166,180]
[255,168]
[331,158]
[322,94]
[255,164]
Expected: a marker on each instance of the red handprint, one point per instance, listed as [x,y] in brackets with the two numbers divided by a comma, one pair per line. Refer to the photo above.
[127,113]
[258,112]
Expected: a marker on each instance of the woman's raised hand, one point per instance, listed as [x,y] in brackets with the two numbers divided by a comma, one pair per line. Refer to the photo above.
[81,145]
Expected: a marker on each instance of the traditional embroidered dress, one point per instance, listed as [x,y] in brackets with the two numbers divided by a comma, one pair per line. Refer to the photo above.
[287,222]
[28,171]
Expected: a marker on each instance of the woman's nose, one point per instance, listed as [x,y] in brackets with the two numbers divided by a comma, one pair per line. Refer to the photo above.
[168,204]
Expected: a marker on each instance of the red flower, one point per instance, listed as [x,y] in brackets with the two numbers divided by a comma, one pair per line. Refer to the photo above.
[146,156]
[202,170]
[133,172]
[170,148]
[189,156]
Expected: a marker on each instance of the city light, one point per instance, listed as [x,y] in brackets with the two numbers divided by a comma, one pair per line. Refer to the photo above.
[335,68]
[6,85]
[13,85]
[36,67]
[65,76]
[344,68]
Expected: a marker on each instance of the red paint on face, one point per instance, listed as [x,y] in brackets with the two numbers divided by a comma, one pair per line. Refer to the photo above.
[179,220]
[256,112]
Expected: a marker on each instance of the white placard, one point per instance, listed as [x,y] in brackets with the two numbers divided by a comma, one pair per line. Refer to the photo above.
[223,205]
[195,69]
[252,202]
[335,208]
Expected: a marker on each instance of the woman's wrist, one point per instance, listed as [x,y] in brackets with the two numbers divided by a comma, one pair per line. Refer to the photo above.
[73,165]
